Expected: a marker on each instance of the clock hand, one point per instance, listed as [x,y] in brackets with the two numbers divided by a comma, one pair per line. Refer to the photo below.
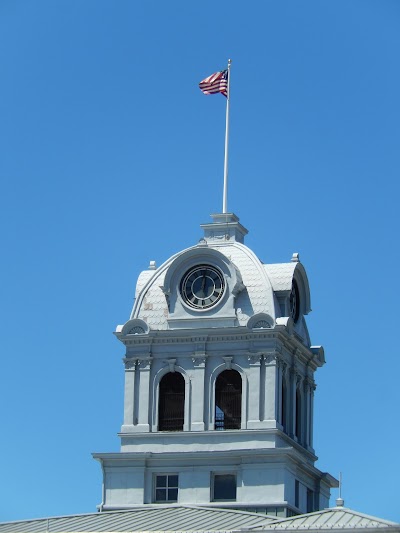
[203,284]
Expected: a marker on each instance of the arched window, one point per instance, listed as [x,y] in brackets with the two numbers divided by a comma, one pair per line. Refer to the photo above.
[228,400]
[298,427]
[171,402]
[284,404]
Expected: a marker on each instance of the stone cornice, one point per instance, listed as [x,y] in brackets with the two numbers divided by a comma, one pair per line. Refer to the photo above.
[248,342]
[210,335]
[232,335]
[293,452]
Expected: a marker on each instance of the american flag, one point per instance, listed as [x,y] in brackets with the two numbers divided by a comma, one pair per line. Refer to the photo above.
[216,83]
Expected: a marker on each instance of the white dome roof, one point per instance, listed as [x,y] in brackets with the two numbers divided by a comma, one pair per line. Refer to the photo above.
[255,293]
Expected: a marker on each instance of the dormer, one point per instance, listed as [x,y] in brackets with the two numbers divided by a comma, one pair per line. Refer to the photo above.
[201,286]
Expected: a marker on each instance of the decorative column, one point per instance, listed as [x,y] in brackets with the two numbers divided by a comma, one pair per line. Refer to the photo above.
[307,393]
[129,396]
[291,415]
[272,388]
[313,387]
[300,409]
[197,415]
[283,394]
[253,376]
[144,366]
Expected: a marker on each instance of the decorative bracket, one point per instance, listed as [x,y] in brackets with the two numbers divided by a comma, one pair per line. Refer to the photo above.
[228,362]
[299,380]
[254,358]
[199,359]
[171,363]
[144,363]
[270,358]
[130,364]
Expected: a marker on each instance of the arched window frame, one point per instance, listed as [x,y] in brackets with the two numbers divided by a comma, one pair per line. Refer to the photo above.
[156,396]
[213,380]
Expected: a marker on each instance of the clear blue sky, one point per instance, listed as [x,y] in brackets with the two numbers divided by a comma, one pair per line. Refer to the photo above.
[111,156]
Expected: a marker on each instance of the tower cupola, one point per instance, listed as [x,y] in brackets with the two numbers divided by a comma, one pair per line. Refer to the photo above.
[219,384]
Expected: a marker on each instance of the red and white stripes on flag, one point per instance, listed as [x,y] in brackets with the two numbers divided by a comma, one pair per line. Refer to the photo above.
[216,83]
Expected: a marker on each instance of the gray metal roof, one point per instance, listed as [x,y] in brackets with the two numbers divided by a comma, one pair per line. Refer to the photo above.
[337,518]
[160,518]
[281,275]
[198,519]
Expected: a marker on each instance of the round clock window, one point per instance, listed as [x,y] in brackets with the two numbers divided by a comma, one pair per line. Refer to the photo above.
[202,287]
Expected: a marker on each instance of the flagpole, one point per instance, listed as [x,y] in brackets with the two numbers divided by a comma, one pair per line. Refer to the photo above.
[225,194]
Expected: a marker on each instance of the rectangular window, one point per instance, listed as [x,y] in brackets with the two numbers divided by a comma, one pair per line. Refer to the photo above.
[296,493]
[166,488]
[310,501]
[224,487]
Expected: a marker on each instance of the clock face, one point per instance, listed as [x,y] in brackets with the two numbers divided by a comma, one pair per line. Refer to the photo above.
[294,302]
[202,287]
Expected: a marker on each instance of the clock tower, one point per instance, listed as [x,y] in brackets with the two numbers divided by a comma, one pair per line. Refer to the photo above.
[219,384]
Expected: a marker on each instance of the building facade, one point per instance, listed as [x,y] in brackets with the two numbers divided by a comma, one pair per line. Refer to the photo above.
[219,384]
